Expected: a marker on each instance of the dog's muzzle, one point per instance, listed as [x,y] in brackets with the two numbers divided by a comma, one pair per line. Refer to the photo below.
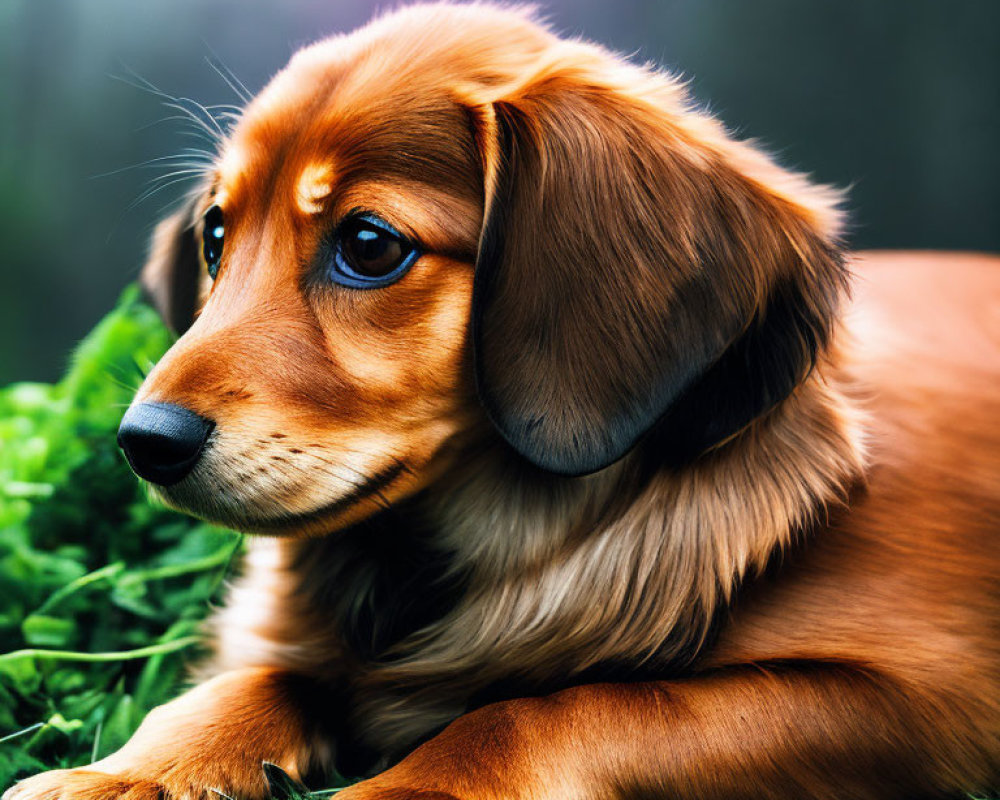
[162,441]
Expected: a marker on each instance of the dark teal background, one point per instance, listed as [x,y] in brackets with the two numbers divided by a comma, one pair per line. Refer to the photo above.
[900,99]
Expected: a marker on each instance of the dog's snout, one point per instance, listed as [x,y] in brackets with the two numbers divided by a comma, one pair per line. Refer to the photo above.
[162,441]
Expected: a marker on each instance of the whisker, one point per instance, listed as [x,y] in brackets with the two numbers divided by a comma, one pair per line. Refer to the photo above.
[155,122]
[188,197]
[214,130]
[154,162]
[175,173]
[227,107]
[197,133]
[148,193]
[234,83]
[154,191]
[185,105]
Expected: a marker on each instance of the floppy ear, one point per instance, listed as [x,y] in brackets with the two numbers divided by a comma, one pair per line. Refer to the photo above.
[633,277]
[171,278]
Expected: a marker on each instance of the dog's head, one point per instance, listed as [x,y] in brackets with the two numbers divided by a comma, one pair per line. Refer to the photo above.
[452,215]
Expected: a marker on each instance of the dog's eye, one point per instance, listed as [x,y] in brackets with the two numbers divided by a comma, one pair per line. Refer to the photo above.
[368,252]
[212,239]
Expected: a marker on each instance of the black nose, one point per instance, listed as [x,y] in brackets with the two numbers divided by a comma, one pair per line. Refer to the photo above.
[161,441]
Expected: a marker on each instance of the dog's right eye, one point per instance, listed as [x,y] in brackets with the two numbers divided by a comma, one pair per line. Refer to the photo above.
[212,239]
[369,253]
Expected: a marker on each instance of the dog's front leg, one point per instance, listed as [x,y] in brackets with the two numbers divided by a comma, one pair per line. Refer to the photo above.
[802,732]
[213,737]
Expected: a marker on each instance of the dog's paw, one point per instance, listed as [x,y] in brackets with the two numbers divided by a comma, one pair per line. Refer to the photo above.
[84,784]
[90,783]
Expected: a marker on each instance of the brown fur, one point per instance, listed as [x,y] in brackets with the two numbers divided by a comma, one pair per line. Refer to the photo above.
[653,513]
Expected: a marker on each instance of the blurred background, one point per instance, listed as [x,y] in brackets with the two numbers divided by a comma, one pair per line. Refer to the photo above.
[898,99]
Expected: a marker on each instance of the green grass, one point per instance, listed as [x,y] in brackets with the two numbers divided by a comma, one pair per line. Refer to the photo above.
[101,592]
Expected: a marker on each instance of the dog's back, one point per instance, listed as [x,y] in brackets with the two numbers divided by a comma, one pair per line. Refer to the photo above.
[906,579]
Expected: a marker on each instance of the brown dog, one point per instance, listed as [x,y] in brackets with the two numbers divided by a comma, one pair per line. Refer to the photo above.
[618,497]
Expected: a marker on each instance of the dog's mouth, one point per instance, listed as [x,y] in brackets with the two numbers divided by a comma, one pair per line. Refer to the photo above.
[236,500]
[369,489]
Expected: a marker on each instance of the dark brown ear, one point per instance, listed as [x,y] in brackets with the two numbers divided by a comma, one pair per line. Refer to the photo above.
[632,278]
[171,277]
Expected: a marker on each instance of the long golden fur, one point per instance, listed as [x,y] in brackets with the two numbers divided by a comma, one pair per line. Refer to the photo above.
[614,494]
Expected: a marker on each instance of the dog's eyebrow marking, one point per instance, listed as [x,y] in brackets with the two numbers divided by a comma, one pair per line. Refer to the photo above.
[313,185]
[232,164]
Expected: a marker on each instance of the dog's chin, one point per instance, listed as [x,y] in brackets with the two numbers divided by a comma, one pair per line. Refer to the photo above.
[232,508]
[251,520]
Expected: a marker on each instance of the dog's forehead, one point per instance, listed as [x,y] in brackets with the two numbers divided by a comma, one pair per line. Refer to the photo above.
[342,130]
[382,100]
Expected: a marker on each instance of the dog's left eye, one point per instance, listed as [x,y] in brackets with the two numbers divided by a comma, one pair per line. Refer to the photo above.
[212,240]
[368,252]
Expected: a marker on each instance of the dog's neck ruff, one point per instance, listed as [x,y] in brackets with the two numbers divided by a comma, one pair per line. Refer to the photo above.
[567,575]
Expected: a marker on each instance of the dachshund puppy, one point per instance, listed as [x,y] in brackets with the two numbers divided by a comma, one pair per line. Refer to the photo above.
[581,476]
